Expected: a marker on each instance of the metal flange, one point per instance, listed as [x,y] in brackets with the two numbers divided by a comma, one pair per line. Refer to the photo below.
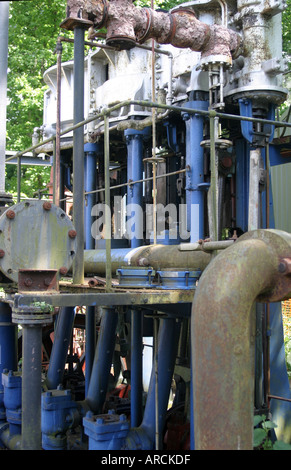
[35,235]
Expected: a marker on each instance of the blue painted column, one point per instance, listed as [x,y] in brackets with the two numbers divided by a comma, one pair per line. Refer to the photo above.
[91,151]
[169,333]
[195,187]
[136,394]
[102,361]
[63,333]
[134,140]
[8,349]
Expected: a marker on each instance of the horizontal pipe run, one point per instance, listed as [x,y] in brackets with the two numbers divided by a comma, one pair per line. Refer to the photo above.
[206,246]
[155,256]
[150,104]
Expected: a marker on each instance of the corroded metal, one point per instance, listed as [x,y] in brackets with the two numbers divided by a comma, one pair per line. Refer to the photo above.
[126,24]
[222,329]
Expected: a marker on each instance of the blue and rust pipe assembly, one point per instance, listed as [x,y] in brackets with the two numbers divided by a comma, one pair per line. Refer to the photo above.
[170,258]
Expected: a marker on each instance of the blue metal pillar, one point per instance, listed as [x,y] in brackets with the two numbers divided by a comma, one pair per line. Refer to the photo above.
[134,140]
[102,361]
[169,333]
[91,151]
[136,383]
[195,186]
[8,348]
[62,338]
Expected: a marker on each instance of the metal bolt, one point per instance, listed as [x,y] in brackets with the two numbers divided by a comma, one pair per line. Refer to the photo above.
[63,270]
[47,206]
[10,214]
[2,253]
[28,282]
[47,281]
[285,266]
[72,233]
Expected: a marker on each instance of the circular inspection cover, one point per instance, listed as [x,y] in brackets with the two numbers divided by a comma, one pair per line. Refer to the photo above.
[35,235]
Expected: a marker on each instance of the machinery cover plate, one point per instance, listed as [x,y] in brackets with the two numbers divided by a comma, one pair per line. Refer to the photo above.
[35,235]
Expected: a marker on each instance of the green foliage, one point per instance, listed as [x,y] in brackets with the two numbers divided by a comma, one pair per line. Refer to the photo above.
[33,32]
[261,437]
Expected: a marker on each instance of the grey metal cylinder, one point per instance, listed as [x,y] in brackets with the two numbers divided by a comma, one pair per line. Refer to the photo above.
[31,387]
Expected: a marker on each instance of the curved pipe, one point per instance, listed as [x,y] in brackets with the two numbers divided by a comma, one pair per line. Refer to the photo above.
[223,336]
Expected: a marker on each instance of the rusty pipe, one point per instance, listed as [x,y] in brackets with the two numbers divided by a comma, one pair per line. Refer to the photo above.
[223,336]
[127,24]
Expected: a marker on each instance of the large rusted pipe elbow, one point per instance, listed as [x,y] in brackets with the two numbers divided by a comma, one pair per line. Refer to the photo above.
[255,268]
[127,24]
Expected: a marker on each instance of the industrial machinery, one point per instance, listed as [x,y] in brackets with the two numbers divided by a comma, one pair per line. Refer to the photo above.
[159,240]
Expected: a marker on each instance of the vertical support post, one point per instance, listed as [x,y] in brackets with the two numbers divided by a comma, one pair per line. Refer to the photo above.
[254,179]
[90,184]
[107,203]
[31,387]
[213,190]
[58,126]
[78,154]
[134,140]
[4,27]
[195,175]
[169,333]
[18,178]
[8,345]
[136,368]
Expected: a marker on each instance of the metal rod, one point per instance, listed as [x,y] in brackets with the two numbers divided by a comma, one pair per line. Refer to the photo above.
[151,105]
[31,387]
[213,185]
[132,182]
[107,204]
[18,178]
[254,179]
[58,125]
[78,155]
[156,363]
[4,26]
[136,368]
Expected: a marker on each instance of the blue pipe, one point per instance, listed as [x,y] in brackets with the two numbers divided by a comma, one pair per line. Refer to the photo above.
[8,342]
[60,348]
[136,394]
[195,187]
[102,361]
[143,437]
[91,151]
[134,140]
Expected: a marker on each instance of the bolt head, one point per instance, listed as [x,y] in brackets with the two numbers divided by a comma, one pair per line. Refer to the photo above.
[10,214]
[72,233]
[2,253]
[63,270]
[47,206]
[28,282]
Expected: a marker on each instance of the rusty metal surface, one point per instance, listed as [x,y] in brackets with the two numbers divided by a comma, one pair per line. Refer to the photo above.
[127,24]
[38,280]
[223,332]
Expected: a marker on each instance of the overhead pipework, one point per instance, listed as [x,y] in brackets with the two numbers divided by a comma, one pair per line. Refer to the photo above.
[147,288]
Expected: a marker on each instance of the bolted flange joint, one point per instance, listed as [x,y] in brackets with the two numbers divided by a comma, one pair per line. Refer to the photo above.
[35,314]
